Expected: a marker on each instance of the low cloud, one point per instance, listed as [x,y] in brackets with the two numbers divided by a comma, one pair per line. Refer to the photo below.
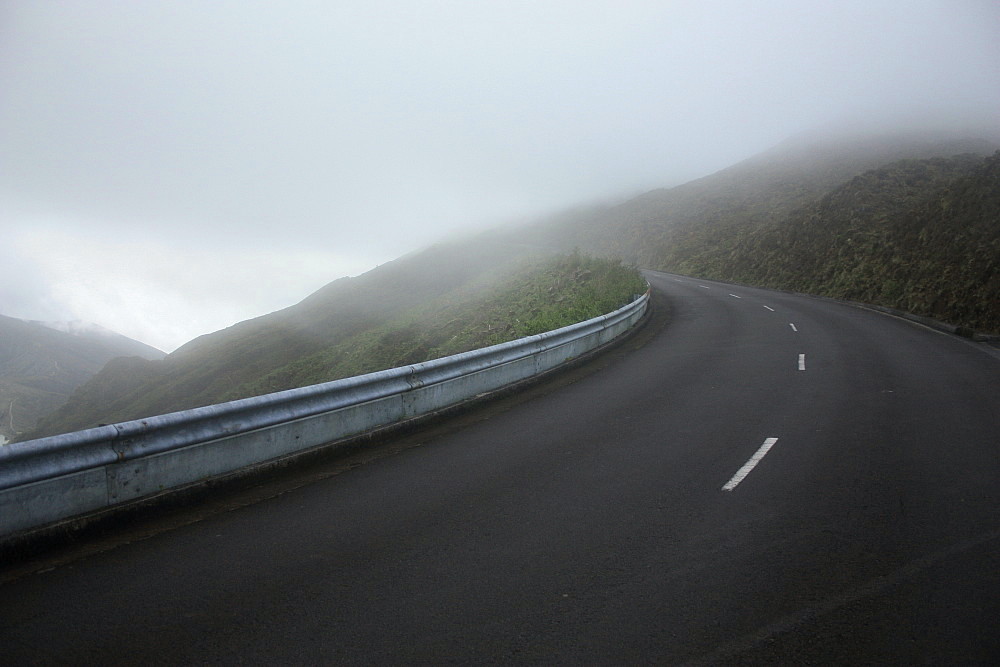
[170,167]
[163,293]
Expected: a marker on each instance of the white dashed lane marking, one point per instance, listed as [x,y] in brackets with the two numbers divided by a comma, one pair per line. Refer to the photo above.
[749,465]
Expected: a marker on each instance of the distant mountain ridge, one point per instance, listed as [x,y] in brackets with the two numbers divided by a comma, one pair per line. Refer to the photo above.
[79,328]
[41,366]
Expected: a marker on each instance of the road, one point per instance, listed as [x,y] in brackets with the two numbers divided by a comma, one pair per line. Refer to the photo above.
[755,478]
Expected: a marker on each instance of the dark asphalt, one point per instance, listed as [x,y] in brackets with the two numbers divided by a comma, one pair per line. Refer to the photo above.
[588,525]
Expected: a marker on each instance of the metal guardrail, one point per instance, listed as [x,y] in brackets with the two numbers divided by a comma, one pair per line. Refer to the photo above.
[50,479]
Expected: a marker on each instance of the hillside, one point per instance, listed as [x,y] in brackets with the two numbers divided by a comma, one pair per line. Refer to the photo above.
[670,229]
[40,366]
[446,299]
[904,221]
[922,236]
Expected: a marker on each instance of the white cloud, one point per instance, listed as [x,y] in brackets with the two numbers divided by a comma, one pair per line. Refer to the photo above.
[166,293]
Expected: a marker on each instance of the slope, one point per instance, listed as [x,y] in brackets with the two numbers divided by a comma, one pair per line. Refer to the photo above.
[921,236]
[823,214]
[668,229]
[443,300]
[41,366]
[722,225]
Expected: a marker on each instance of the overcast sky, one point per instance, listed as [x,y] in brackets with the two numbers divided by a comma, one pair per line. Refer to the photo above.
[169,168]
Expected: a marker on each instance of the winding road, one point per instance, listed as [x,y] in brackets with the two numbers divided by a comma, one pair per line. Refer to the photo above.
[753,478]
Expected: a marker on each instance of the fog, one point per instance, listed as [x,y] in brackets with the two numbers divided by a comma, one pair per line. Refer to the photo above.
[170,168]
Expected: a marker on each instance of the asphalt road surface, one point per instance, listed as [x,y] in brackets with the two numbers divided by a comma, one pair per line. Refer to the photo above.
[754,478]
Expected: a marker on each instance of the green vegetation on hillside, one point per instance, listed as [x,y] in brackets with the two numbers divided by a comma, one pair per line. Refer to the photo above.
[539,296]
[908,222]
[922,236]
[680,228]
[444,300]
[41,366]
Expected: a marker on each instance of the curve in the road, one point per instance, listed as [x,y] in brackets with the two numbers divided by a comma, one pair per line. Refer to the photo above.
[593,523]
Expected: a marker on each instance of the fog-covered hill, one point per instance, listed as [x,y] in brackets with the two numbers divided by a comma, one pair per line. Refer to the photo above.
[907,221]
[443,300]
[670,228]
[904,221]
[41,364]
[922,236]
